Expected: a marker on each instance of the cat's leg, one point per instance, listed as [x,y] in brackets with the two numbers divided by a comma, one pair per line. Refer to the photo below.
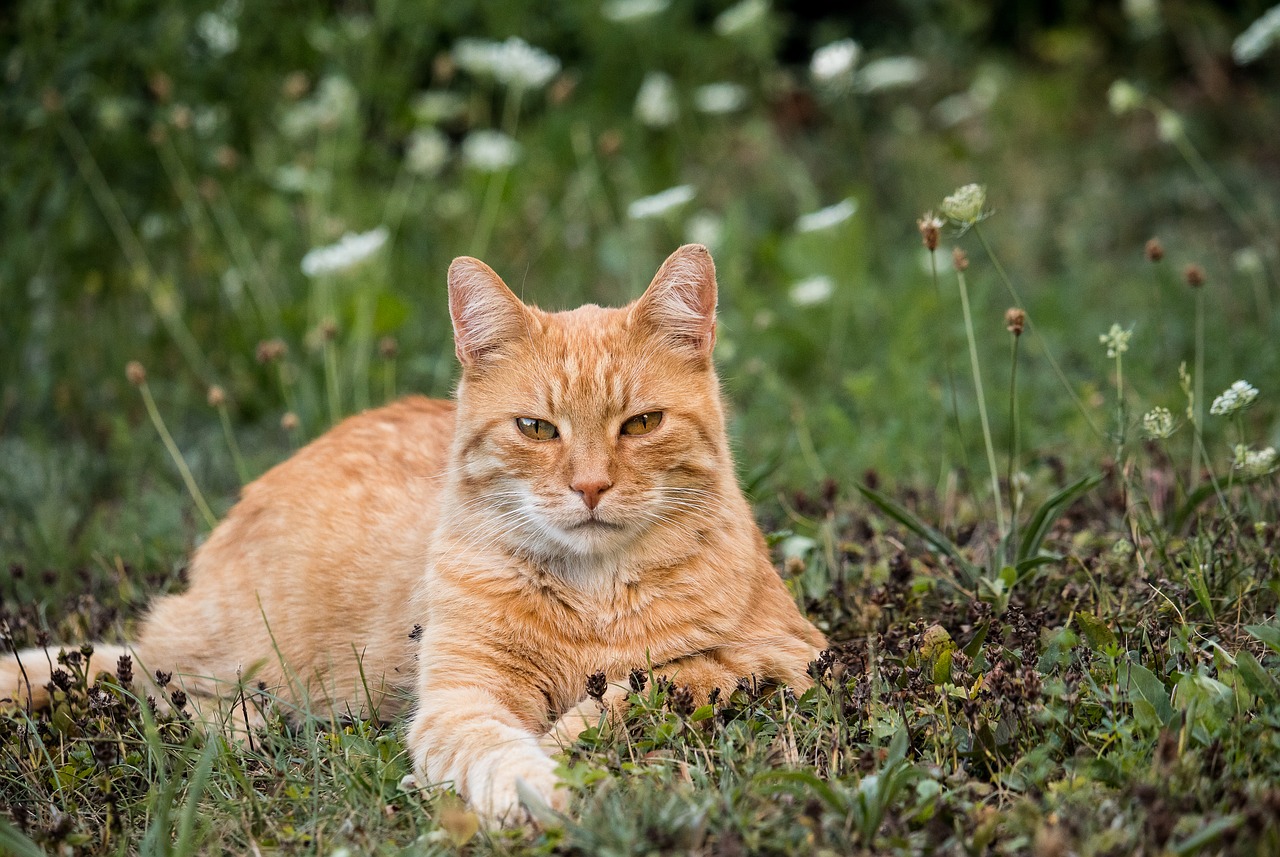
[476,728]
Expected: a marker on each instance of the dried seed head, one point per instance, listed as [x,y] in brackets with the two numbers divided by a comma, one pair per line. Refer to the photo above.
[597,684]
[960,259]
[179,699]
[638,679]
[161,86]
[226,157]
[388,348]
[295,85]
[329,330]
[163,678]
[136,373]
[1015,319]
[217,396]
[124,670]
[289,422]
[1194,275]
[1154,250]
[271,350]
[609,142]
[930,227]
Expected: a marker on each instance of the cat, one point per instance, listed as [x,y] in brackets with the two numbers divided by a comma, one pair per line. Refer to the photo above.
[575,511]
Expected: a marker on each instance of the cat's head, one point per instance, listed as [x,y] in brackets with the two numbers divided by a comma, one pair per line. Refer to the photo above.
[580,432]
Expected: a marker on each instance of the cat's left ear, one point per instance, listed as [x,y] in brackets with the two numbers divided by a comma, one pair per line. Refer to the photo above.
[486,314]
[680,303]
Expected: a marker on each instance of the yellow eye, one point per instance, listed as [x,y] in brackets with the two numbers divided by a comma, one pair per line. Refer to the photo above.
[642,423]
[536,429]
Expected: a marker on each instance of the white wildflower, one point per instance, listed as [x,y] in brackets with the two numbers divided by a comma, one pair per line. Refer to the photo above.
[1169,126]
[218,32]
[834,63]
[1123,97]
[334,103]
[426,152]
[1247,261]
[435,106]
[741,17]
[1259,36]
[1116,340]
[1158,423]
[624,11]
[350,250]
[515,62]
[656,100]
[965,205]
[825,218]
[704,228]
[723,97]
[1237,397]
[812,290]
[658,204]
[889,73]
[1254,462]
[489,151]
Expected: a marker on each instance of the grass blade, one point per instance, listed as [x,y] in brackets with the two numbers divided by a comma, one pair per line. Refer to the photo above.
[931,536]
[1049,511]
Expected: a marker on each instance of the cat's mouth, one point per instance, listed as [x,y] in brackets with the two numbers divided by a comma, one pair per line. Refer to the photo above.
[594,524]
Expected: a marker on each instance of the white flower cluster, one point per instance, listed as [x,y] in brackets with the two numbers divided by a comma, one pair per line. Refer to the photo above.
[649,207]
[825,218]
[489,151]
[833,63]
[889,73]
[966,204]
[719,98]
[426,152]
[656,101]
[1254,462]
[515,62]
[1158,423]
[623,11]
[1259,36]
[1123,97]
[741,17]
[334,103]
[218,29]
[350,250]
[812,290]
[1237,397]
[1116,339]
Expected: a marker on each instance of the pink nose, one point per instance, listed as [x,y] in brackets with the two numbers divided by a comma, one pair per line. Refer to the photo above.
[591,489]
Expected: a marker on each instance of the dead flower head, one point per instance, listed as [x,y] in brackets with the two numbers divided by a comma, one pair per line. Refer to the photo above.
[1015,319]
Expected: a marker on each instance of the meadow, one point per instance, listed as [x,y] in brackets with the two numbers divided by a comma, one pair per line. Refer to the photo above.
[996,324]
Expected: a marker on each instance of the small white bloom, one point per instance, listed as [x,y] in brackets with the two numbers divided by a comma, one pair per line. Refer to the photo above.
[656,101]
[825,218]
[834,63]
[1247,261]
[741,17]
[648,207]
[704,228]
[350,250]
[515,62]
[1257,38]
[489,151]
[624,11]
[426,152]
[1123,97]
[812,290]
[1116,340]
[1169,127]
[723,97]
[889,73]
[1254,462]
[218,32]
[1158,423]
[965,205]
[1237,397]
[435,106]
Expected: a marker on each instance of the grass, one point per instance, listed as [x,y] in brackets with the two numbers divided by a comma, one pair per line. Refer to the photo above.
[1052,631]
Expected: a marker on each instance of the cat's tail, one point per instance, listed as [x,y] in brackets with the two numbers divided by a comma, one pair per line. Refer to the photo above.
[28,677]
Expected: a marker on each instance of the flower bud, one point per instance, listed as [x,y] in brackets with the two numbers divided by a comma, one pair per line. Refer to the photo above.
[136,373]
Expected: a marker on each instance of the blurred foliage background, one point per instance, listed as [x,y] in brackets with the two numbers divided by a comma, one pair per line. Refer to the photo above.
[167,167]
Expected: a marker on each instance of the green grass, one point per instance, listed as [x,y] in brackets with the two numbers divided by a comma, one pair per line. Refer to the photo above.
[1099,679]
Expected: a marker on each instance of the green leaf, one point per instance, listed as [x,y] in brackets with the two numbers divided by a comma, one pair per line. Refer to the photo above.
[1256,678]
[772,782]
[703,713]
[942,667]
[932,537]
[975,645]
[1095,631]
[15,842]
[1208,834]
[1050,510]
[1268,634]
[1147,686]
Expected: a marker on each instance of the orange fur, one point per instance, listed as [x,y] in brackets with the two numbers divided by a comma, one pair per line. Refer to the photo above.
[529,564]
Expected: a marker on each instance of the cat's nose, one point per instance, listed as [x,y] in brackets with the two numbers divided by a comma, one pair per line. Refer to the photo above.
[590,490]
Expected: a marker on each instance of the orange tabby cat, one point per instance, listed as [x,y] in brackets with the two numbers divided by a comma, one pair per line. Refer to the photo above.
[575,512]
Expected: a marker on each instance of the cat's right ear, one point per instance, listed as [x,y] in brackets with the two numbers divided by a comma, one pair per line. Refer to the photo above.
[485,312]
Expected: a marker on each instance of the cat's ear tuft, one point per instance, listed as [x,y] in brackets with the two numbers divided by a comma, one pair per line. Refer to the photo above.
[485,313]
[680,303]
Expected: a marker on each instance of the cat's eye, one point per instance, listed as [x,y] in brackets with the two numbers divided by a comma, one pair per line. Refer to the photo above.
[536,429]
[642,423]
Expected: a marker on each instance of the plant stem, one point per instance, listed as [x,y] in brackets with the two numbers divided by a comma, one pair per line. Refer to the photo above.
[946,358]
[982,404]
[1198,454]
[176,455]
[241,470]
[1015,501]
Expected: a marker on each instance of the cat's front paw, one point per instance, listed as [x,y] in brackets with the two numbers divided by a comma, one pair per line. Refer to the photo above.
[495,791]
